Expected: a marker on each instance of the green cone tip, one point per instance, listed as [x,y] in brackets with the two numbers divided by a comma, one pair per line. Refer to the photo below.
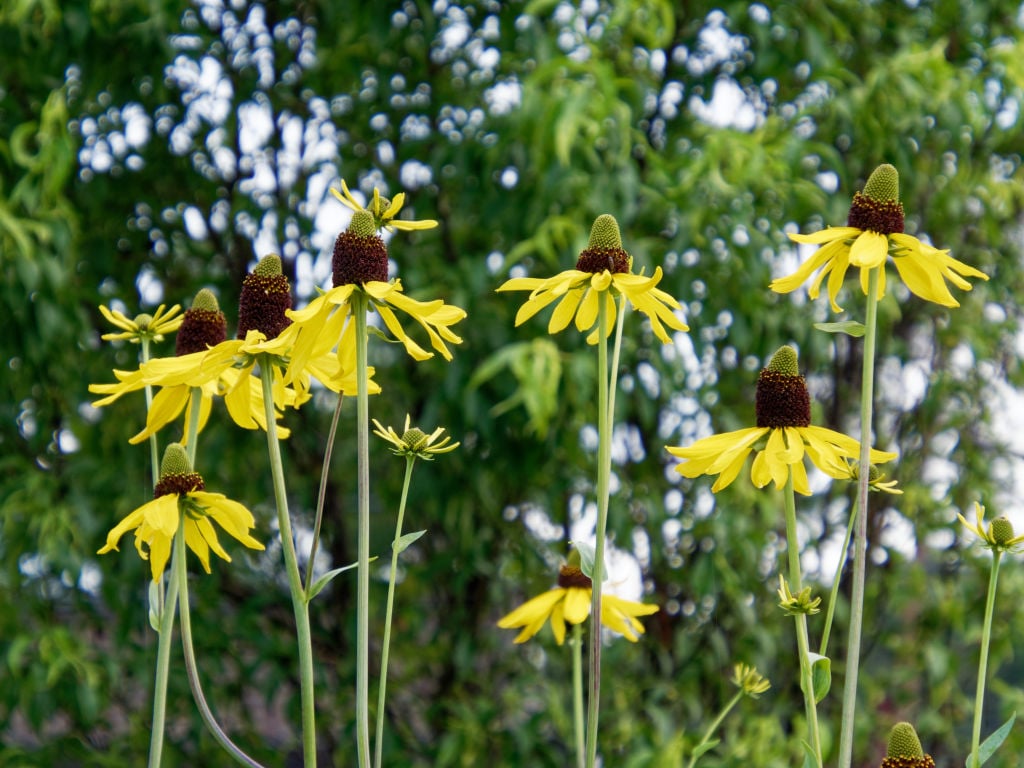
[1002,530]
[605,233]
[206,300]
[269,266]
[175,461]
[784,362]
[363,224]
[414,438]
[903,741]
[883,184]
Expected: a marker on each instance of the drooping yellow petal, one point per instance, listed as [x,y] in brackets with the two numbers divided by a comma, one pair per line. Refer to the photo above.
[869,249]
[577,604]
[827,235]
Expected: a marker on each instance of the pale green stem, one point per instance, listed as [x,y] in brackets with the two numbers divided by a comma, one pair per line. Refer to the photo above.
[359,309]
[834,594]
[192,669]
[300,605]
[154,447]
[195,402]
[603,476]
[803,645]
[710,732]
[385,651]
[860,531]
[986,638]
[577,694]
[322,495]
[163,656]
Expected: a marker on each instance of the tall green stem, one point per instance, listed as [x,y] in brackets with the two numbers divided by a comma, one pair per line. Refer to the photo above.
[834,594]
[192,668]
[359,308]
[710,732]
[860,533]
[163,653]
[385,652]
[299,604]
[604,455]
[986,638]
[577,695]
[321,497]
[803,645]
[154,447]
[195,401]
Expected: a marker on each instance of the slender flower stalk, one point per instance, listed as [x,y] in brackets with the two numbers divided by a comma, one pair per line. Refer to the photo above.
[579,728]
[300,605]
[385,652]
[800,617]
[359,308]
[860,531]
[713,728]
[163,655]
[321,497]
[750,683]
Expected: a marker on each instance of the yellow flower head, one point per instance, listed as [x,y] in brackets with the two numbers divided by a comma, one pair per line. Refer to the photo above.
[569,602]
[415,443]
[360,263]
[999,533]
[383,210]
[874,230]
[602,272]
[180,498]
[749,680]
[784,417]
[143,327]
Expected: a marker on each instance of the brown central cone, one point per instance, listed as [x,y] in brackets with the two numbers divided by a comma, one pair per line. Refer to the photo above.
[596,260]
[200,329]
[359,259]
[572,576]
[903,761]
[782,400]
[874,215]
[265,298]
[179,483]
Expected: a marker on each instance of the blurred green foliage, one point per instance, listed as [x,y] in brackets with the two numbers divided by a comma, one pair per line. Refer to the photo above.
[709,131]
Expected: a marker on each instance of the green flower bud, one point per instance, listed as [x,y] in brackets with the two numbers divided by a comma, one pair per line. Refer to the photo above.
[1001,530]
[362,224]
[903,741]
[883,184]
[784,362]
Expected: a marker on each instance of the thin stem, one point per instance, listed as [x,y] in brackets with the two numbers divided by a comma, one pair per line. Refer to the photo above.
[986,638]
[322,495]
[577,694]
[299,604]
[710,732]
[604,458]
[834,594]
[860,532]
[154,447]
[163,655]
[379,733]
[803,645]
[359,309]
[190,664]
[195,401]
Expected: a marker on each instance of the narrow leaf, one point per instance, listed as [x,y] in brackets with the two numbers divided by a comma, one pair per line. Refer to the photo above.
[707,747]
[586,557]
[849,327]
[326,579]
[405,541]
[992,743]
[155,615]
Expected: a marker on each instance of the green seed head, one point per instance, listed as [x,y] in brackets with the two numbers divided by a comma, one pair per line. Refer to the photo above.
[1001,530]
[175,461]
[143,321]
[605,233]
[269,266]
[363,224]
[414,438]
[206,300]
[903,741]
[784,362]
[883,184]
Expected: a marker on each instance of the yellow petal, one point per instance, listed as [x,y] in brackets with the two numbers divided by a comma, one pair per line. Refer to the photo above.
[827,235]
[869,249]
[577,604]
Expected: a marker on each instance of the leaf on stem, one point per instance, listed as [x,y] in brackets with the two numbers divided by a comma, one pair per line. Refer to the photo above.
[849,327]
[821,675]
[405,541]
[992,743]
[324,580]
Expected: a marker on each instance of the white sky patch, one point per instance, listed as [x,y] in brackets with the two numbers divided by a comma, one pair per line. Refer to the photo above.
[729,107]
[195,224]
[504,97]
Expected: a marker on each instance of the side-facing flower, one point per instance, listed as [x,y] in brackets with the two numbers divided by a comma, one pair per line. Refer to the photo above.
[180,498]
[799,604]
[998,535]
[602,272]
[874,230]
[144,326]
[904,750]
[569,602]
[415,442]
[876,479]
[749,680]
[784,417]
[360,263]
[383,210]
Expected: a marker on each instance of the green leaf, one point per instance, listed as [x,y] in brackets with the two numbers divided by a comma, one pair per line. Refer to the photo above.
[702,748]
[849,327]
[992,743]
[405,541]
[586,557]
[324,580]
[821,675]
[155,616]
[810,759]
